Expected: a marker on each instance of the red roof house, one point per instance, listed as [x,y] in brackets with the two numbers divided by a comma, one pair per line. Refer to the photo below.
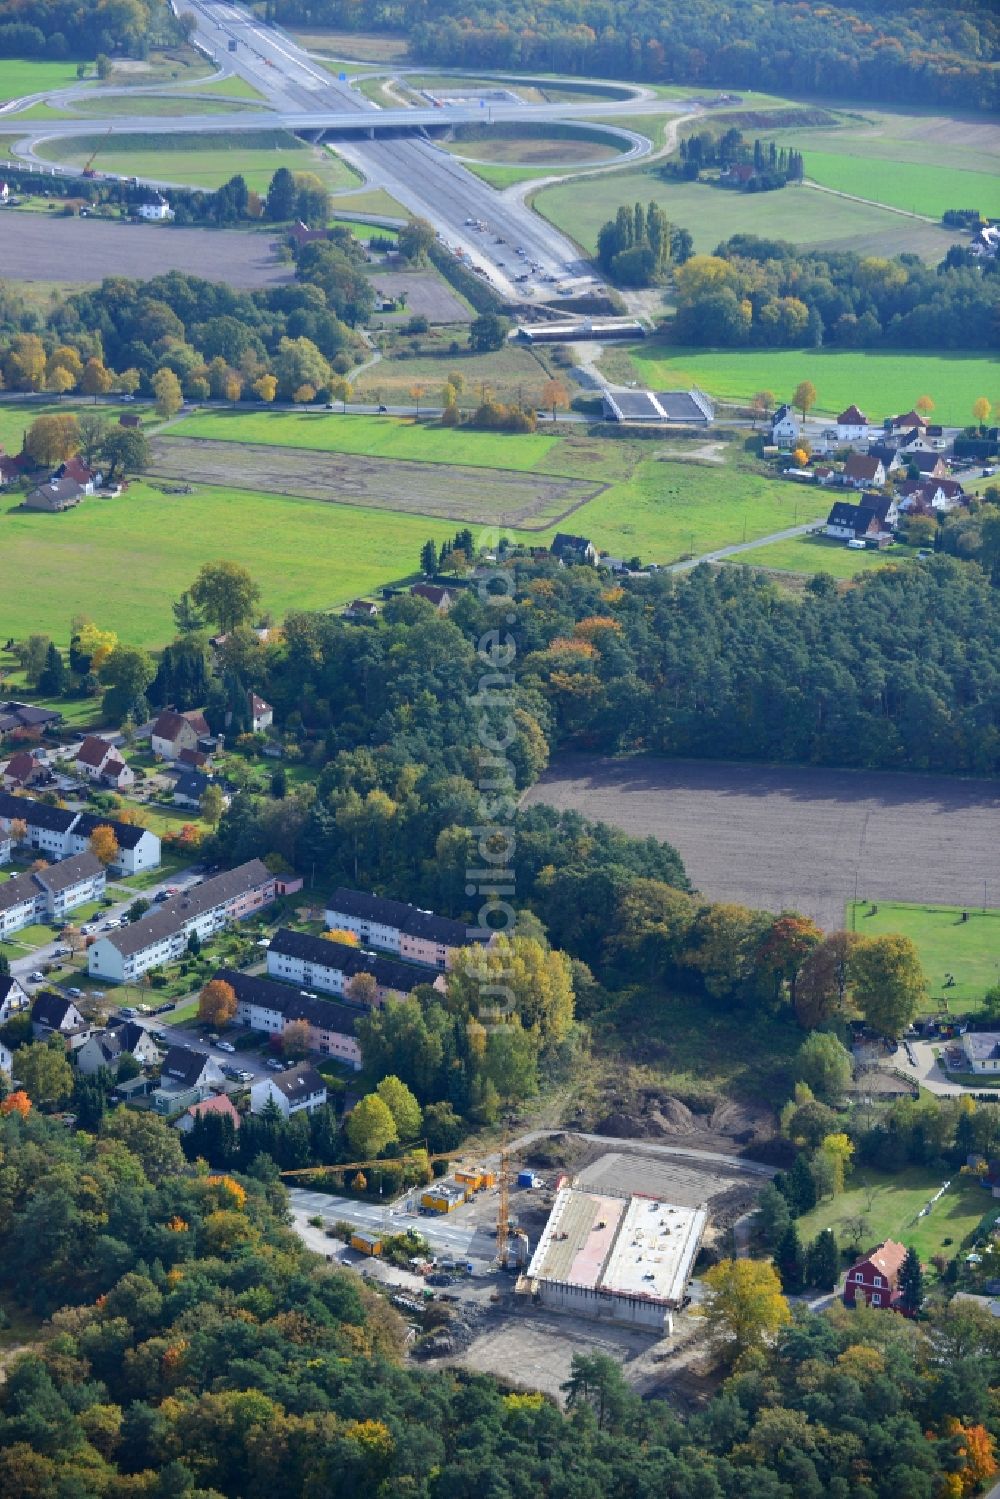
[874,1280]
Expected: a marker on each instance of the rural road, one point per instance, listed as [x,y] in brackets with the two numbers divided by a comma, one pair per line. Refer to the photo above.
[743,546]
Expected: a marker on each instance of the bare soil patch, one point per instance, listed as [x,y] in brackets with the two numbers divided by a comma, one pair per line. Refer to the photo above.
[426,294]
[779,837]
[529,501]
[36,247]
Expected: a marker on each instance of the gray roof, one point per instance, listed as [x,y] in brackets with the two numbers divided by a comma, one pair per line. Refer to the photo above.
[396,913]
[685,405]
[982,1045]
[299,1082]
[70,872]
[635,403]
[184,1066]
[51,1008]
[16,890]
[35,813]
[158,925]
[127,834]
[284,999]
[390,973]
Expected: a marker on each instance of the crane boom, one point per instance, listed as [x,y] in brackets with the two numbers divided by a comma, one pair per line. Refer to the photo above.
[411,1158]
[88,170]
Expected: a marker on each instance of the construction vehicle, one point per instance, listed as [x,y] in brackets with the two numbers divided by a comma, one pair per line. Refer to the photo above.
[88,170]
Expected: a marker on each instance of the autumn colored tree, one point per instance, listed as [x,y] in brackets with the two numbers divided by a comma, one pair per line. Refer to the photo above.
[128,381]
[416,395]
[804,398]
[341,934]
[783,951]
[295,1039]
[104,844]
[233,387]
[981,409]
[212,804]
[838,1150]
[554,397]
[217,1003]
[362,989]
[304,394]
[96,380]
[925,405]
[761,405]
[52,439]
[822,982]
[17,1102]
[888,982]
[167,389]
[744,1309]
[265,389]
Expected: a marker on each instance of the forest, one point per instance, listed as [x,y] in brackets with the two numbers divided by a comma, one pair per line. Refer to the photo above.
[197,1349]
[763,292]
[65,28]
[876,50]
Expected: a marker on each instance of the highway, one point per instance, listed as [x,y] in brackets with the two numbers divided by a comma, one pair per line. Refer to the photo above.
[517,251]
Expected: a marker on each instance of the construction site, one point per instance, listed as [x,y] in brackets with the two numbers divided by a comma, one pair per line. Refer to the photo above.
[528,1264]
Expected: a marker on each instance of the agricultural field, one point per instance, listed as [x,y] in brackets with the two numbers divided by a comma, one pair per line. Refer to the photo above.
[917,189]
[792,837]
[510,372]
[801,215]
[426,293]
[205,161]
[305,555]
[451,492]
[880,383]
[820,554]
[371,436]
[375,201]
[888,1205]
[968,950]
[359,46]
[19,77]
[45,248]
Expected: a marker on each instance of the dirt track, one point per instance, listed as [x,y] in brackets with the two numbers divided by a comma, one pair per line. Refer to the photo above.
[790,836]
[530,501]
[42,247]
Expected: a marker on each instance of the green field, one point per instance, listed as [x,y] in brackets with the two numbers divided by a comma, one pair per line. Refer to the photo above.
[206,162]
[512,372]
[135,105]
[305,555]
[712,214]
[917,188]
[18,77]
[969,950]
[819,554]
[895,1202]
[880,383]
[373,436]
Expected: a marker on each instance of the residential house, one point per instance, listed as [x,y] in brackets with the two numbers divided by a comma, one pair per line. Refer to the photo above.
[219,1104]
[884,507]
[89,479]
[54,496]
[22,769]
[138,848]
[874,1279]
[888,454]
[573,548]
[161,936]
[441,598]
[362,609]
[6,1060]
[906,422]
[98,760]
[916,441]
[190,787]
[267,1007]
[928,465]
[13,998]
[852,425]
[4,192]
[927,495]
[173,732]
[316,963]
[56,1014]
[982,1048]
[862,471]
[297,1089]
[186,1077]
[70,883]
[156,209]
[15,715]
[6,847]
[849,522]
[261,713]
[18,904]
[785,426]
[58,832]
[193,759]
[119,1038]
[12,466]
[396,927]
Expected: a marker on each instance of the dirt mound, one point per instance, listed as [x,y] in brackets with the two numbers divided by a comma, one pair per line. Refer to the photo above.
[741,1121]
[656,1115]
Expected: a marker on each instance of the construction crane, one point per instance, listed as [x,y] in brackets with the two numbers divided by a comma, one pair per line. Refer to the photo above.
[503,1206]
[411,1158]
[88,170]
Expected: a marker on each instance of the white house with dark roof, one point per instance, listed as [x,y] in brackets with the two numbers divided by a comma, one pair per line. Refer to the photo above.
[852,425]
[54,1013]
[138,848]
[785,426]
[294,1090]
[186,1077]
[393,925]
[13,998]
[315,963]
[119,1038]
[261,713]
[268,1007]
[71,883]
[57,832]
[982,1050]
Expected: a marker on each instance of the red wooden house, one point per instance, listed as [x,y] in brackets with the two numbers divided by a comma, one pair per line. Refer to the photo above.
[874,1280]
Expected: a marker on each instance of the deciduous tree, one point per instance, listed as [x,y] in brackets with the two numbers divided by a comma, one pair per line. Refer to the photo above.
[217,1003]
[52,439]
[44,1072]
[804,398]
[226,593]
[104,844]
[370,1127]
[167,389]
[744,1307]
[888,982]
[402,1105]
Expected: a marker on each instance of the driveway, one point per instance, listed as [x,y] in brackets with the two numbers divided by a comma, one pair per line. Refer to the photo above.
[924,1068]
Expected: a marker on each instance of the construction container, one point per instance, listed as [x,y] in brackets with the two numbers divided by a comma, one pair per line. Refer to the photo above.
[366,1243]
[475,1177]
[526,1178]
[444,1197]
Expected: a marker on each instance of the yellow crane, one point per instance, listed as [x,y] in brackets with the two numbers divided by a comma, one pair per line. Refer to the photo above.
[88,170]
[503,1206]
[413,1157]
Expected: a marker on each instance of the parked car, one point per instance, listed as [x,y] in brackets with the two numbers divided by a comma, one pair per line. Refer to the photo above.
[226,1046]
[127,1012]
[273,1064]
[36,977]
[244,1075]
[75,993]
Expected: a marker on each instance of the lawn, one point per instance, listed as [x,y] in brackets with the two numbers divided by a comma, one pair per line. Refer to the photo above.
[18,77]
[819,554]
[510,372]
[712,214]
[376,202]
[969,950]
[917,188]
[206,161]
[888,1206]
[104,106]
[880,383]
[372,436]
[305,555]
[17,416]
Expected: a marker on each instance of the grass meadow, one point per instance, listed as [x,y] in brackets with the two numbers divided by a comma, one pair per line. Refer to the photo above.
[887,1206]
[820,554]
[916,188]
[207,162]
[968,950]
[19,77]
[880,383]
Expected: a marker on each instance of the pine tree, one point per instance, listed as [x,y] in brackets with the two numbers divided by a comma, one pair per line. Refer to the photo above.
[911,1282]
[52,681]
[799,1188]
[428,559]
[790,1261]
[821,1261]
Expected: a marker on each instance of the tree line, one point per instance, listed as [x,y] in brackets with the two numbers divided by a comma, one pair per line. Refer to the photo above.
[773,166]
[768,292]
[898,53]
[638,247]
[63,28]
